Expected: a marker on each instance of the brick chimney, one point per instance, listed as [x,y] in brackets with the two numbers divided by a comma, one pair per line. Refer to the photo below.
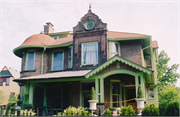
[48,28]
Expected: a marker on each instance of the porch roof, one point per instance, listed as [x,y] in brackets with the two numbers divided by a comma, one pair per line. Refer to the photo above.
[114,59]
[65,74]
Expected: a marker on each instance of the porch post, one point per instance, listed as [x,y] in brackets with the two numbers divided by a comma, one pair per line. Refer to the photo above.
[97,88]
[136,82]
[31,93]
[142,84]
[102,90]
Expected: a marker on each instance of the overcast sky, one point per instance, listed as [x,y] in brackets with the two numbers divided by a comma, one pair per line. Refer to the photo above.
[21,19]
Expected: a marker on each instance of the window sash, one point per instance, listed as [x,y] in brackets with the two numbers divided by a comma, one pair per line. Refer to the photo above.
[150,92]
[70,61]
[90,53]
[30,61]
[7,81]
[58,61]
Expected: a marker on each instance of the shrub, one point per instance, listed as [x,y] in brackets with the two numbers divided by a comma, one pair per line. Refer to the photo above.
[73,111]
[128,111]
[108,113]
[172,109]
[93,94]
[150,110]
[140,93]
[27,106]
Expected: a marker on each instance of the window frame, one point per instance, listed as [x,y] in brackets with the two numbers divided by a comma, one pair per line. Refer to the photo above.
[7,84]
[70,57]
[53,60]
[150,92]
[1,81]
[110,53]
[82,59]
[26,65]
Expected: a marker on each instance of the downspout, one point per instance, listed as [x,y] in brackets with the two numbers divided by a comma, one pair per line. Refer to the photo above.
[42,60]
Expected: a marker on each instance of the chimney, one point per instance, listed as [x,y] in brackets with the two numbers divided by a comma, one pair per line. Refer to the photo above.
[48,28]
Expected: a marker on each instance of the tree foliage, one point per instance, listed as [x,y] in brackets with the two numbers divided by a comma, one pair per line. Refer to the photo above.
[140,93]
[1,97]
[165,74]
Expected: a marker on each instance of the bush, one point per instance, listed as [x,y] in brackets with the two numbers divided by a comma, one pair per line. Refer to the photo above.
[73,111]
[27,106]
[127,111]
[172,109]
[140,93]
[150,110]
[93,94]
[108,113]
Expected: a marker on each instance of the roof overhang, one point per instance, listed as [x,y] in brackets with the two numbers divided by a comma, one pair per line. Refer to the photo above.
[118,58]
[56,75]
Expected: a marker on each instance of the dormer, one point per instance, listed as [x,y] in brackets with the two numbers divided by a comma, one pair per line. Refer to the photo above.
[89,42]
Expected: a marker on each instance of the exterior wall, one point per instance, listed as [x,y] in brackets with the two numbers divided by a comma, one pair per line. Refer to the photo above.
[131,50]
[12,87]
[101,57]
[154,67]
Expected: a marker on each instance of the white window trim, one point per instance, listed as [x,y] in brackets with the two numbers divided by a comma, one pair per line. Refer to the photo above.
[27,60]
[53,60]
[71,57]
[150,92]
[82,60]
[110,49]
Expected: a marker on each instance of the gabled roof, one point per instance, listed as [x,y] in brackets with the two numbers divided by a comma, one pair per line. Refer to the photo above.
[7,71]
[114,59]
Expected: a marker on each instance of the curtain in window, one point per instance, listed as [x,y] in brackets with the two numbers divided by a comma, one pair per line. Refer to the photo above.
[90,53]
[114,49]
[30,61]
[58,61]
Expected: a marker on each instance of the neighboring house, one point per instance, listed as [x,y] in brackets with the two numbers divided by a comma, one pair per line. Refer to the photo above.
[59,69]
[7,85]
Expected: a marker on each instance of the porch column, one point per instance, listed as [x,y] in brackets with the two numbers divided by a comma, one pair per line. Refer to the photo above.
[142,84]
[101,90]
[136,82]
[31,93]
[97,89]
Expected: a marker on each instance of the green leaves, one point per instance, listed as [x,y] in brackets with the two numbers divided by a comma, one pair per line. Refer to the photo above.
[140,93]
[93,94]
[1,97]
[165,74]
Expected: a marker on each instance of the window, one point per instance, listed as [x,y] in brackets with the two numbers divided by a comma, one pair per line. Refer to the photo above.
[114,49]
[7,81]
[150,92]
[115,94]
[55,37]
[57,61]
[70,60]
[90,53]
[1,82]
[30,61]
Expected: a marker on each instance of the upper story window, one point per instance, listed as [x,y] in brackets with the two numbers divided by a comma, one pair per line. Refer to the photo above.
[57,63]
[90,53]
[70,60]
[30,60]
[150,92]
[1,82]
[114,49]
[4,80]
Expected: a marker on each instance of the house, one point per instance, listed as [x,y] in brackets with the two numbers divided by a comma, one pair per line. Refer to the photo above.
[59,68]
[7,85]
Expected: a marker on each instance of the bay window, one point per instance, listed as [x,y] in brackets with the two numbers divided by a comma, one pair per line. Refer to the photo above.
[90,53]
[57,63]
[30,60]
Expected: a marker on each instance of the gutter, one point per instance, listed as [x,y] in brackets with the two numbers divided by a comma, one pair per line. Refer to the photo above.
[42,60]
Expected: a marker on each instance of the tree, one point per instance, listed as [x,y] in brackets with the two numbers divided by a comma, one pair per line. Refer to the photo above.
[1,97]
[165,74]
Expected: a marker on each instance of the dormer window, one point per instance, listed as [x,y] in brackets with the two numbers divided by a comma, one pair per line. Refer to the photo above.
[57,63]
[114,49]
[90,53]
[30,60]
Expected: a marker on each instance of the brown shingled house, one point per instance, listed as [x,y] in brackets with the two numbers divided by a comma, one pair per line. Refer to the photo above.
[59,68]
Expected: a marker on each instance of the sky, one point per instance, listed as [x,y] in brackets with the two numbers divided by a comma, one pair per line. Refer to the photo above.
[21,19]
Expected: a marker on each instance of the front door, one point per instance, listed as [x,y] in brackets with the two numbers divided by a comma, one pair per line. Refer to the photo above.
[131,93]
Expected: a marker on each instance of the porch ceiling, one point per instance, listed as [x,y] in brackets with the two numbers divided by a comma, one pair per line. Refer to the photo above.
[114,59]
[65,74]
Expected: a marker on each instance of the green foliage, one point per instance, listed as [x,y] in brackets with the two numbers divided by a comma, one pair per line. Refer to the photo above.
[28,112]
[93,94]
[10,107]
[172,108]
[128,111]
[25,98]
[150,110]
[19,102]
[140,93]
[27,106]
[1,97]
[165,74]
[108,113]
[72,111]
